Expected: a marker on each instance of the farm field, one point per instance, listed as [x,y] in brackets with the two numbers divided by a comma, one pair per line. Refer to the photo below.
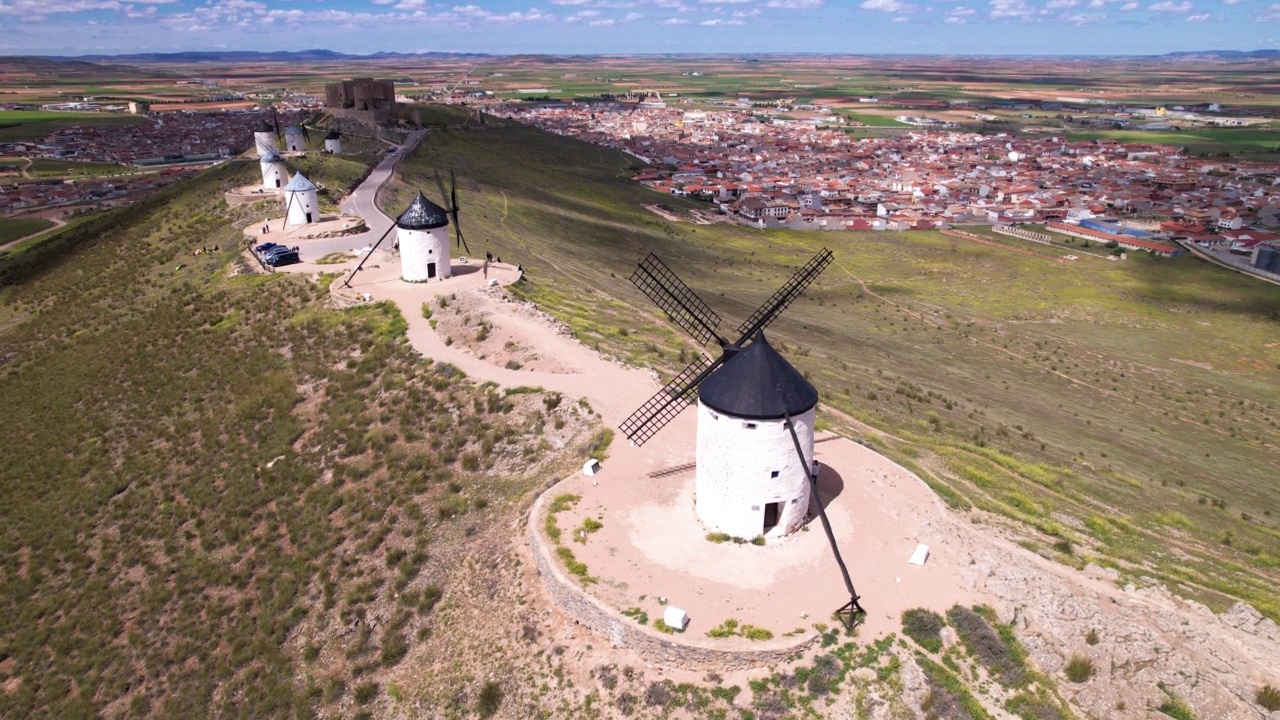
[1099,409]
[19,125]
[13,228]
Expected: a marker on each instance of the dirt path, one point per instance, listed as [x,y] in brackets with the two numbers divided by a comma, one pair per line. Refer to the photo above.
[57,223]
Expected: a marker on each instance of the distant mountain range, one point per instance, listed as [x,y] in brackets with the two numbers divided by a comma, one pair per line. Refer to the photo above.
[247,56]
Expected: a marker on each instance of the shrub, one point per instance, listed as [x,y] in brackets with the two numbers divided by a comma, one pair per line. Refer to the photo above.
[1092,637]
[1079,669]
[986,645]
[365,692]
[718,537]
[923,626]
[490,699]
[1269,698]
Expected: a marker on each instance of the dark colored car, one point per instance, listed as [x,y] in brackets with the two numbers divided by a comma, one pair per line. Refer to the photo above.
[288,257]
[266,246]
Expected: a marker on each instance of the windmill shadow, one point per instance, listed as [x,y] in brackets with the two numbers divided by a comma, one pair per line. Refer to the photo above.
[460,269]
[830,485]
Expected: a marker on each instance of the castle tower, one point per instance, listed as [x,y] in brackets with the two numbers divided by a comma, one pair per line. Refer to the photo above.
[333,142]
[264,139]
[274,174]
[423,232]
[301,202]
[749,480]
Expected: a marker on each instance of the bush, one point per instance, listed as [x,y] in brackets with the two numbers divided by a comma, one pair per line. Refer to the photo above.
[985,644]
[718,537]
[365,692]
[1079,669]
[1269,698]
[923,626]
[1092,637]
[490,699]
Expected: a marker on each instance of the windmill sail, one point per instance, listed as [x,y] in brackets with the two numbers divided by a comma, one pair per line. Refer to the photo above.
[677,299]
[664,406]
[785,295]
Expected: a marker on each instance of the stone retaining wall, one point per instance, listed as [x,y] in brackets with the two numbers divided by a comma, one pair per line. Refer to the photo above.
[622,631]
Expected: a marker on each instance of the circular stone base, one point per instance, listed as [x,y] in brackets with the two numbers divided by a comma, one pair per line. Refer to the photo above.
[650,552]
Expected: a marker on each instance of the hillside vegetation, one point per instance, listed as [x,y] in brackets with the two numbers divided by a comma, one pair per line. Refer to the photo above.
[224,498]
[1123,413]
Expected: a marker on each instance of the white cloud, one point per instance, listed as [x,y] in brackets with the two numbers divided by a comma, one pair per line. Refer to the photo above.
[1081,19]
[902,19]
[1130,6]
[753,12]
[602,23]
[1053,4]
[1010,9]
[561,2]
[719,23]
[962,11]
[1271,14]
[674,21]
[794,4]
[723,2]
[1170,6]
[892,6]
[1200,17]
[955,20]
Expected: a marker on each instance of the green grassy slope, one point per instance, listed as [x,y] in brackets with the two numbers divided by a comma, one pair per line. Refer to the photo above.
[205,474]
[1121,412]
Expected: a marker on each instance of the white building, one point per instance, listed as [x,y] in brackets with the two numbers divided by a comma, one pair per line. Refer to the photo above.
[333,142]
[264,139]
[294,139]
[274,174]
[750,481]
[301,203]
[423,233]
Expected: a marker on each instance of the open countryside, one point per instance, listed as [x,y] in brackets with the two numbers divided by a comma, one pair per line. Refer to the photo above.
[253,490]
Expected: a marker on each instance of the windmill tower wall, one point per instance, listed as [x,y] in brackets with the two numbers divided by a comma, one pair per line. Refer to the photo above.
[293,140]
[264,141]
[748,474]
[274,175]
[424,254]
[303,206]
[333,145]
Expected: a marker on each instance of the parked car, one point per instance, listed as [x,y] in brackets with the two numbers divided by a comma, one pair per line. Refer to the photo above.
[288,257]
[276,251]
[266,246]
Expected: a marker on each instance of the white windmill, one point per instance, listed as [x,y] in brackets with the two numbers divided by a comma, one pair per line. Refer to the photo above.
[301,201]
[333,142]
[294,139]
[274,172]
[755,472]
[423,233]
[264,139]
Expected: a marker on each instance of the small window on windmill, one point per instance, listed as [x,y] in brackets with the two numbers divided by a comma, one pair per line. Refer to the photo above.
[773,474]
[749,426]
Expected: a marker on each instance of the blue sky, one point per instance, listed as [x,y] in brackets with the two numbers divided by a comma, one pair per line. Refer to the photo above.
[987,27]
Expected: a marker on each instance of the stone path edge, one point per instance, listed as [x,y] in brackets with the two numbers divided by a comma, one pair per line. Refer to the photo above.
[625,632]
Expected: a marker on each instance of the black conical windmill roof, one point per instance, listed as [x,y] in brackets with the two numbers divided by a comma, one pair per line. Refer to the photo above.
[758,384]
[422,214]
[333,135]
[265,127]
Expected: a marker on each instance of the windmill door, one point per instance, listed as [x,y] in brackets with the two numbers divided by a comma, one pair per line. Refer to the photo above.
[431,270]
[308,217]
[771,513]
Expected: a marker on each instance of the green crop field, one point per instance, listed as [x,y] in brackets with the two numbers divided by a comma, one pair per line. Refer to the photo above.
[18,125]
[1199,140]
[1113,405]
[875,120]
[13,228]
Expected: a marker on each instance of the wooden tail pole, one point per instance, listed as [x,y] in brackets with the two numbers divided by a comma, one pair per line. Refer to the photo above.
[850,611]
[347,282]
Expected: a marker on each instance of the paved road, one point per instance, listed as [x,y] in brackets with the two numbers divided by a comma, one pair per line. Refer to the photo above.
[362,202]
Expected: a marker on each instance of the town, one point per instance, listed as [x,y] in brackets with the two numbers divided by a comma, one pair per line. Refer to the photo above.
[806,174]
[140,158]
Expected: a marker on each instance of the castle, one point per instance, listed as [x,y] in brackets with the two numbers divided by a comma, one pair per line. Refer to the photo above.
[362,99]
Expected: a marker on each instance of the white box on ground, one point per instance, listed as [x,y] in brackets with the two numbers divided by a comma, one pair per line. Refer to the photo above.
[675,617]
[920,555]
[591,467]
